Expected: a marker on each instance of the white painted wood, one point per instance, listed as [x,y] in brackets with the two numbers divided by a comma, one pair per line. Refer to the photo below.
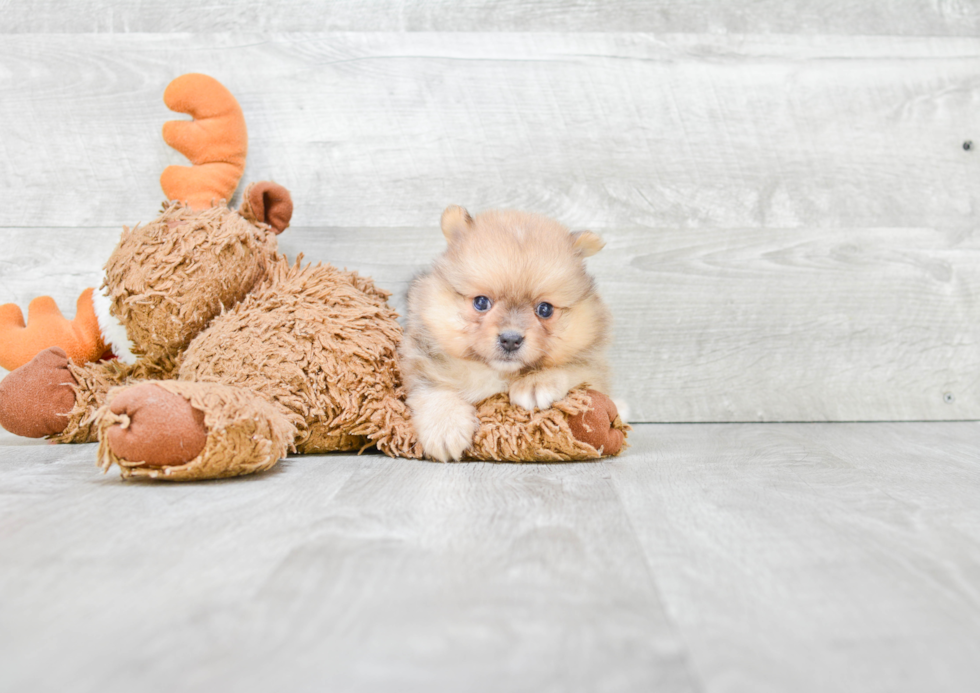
[891,17]
[814,557]
[599,130]
[721,325]
[762,557]
[790,219]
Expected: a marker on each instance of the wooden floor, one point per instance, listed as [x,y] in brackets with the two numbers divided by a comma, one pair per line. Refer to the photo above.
[728,557]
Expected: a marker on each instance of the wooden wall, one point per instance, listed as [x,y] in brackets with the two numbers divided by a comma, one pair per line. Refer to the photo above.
[791,214]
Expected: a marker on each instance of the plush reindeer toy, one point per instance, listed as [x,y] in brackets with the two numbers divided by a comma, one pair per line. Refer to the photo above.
[227,356]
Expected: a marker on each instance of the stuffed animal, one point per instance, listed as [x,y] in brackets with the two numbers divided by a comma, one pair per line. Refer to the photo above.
[226,356]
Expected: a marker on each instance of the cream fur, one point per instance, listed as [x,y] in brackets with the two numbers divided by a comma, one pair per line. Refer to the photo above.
[451,354]
[444,422]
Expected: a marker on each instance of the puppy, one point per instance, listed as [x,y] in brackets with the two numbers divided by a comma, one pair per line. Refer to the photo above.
[509,307]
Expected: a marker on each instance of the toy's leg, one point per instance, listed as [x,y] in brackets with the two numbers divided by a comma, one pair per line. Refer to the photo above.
[385,423]
[51,396]
[582,426]
[600,425]
[35,399]
[388,424]
[180,431]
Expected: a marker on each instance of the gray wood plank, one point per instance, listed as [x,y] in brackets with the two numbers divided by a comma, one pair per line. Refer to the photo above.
[599,130]
[892,17]
[330,573]
[814,557]
[752,557]
[723,325]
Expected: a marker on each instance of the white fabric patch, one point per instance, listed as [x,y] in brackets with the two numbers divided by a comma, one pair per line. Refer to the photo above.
[113,333]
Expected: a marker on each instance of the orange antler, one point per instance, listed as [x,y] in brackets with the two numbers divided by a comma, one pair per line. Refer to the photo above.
[47,327]
[215,142]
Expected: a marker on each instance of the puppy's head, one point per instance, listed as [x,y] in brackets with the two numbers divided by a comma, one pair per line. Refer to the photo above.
[512,291]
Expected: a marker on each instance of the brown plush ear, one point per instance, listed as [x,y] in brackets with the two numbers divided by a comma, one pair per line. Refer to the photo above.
[455,220]
[269,203]
[587,243]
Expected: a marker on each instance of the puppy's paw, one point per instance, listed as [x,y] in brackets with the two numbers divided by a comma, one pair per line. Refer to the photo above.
[538,392]
[445,424]
[444,444]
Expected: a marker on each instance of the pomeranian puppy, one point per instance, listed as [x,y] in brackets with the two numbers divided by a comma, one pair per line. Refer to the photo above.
[509,307]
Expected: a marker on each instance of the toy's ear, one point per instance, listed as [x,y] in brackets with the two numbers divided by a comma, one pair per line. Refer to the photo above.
[587,243]
[269,203]
[455,220]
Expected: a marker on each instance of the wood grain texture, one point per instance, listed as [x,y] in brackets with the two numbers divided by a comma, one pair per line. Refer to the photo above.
[330,573]
[715,558]
[599,130]
[790,219]
[814,557]
[893,17]
[718,325]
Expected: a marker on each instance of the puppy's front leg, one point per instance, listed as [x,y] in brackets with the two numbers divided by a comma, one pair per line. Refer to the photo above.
[444,422]
[540,389]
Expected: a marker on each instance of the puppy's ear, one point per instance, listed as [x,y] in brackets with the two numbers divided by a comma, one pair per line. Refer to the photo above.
[455,220]
[587,243]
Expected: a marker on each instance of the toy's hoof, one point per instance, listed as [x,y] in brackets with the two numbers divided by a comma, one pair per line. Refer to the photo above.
[156,427]
[36,398]
[597,426]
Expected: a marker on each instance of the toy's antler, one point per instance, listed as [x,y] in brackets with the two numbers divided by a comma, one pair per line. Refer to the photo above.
[216,141]
[47,327]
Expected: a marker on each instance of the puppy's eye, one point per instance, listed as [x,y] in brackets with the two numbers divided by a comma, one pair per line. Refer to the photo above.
[482,303]
[544,310]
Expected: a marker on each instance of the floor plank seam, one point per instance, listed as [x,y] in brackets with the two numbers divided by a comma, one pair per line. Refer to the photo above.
[690,666]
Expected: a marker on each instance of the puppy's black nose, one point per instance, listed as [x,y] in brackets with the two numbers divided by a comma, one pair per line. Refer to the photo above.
[510,341]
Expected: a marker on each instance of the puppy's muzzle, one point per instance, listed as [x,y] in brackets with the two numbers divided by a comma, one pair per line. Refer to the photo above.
[510,341]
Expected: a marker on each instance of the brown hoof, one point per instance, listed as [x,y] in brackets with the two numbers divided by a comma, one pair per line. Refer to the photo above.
[35,399]
[160,429]
[595,426]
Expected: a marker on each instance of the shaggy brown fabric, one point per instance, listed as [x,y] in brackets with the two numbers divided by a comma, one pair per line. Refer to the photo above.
[246,434]
[319,342]
[272,357]
[168,279]
[321,439]
[35,399]
[513,434]
[162,429]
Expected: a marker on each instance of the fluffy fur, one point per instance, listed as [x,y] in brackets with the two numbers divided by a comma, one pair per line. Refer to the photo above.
[452,356]
[167,279]
[299,359]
